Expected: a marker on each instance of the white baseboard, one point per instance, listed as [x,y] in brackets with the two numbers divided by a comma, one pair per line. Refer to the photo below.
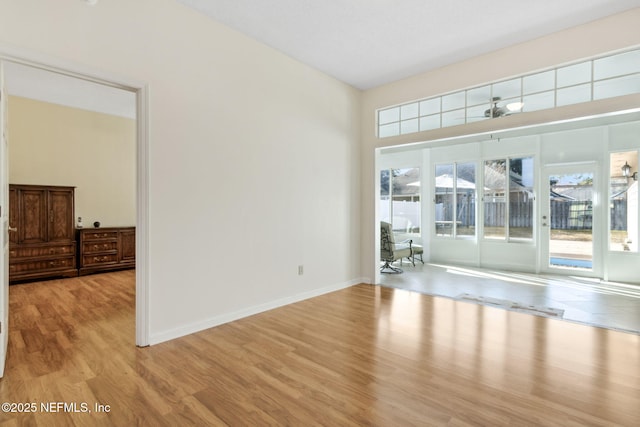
[249,311]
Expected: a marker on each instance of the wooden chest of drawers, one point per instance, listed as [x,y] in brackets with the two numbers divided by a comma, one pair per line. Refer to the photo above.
[40,261]
[105,249]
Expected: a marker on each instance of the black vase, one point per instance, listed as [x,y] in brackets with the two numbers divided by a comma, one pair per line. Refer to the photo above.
[96,224]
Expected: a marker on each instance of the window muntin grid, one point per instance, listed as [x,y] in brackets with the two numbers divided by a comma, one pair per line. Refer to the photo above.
[584,81]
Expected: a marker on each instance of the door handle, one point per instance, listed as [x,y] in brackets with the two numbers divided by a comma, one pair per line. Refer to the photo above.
[13,228]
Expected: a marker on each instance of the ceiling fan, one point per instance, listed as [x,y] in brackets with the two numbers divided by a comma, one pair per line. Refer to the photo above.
[506,110]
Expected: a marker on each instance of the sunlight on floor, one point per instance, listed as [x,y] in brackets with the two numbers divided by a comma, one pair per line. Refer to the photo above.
[589,284]
[510,277]
[584,300]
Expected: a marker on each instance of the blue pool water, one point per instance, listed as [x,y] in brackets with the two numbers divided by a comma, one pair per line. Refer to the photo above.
[568,262]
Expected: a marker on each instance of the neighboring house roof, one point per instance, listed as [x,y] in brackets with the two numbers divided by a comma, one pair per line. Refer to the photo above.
[446,181]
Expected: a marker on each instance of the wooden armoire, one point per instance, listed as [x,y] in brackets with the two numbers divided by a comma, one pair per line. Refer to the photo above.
[41,232]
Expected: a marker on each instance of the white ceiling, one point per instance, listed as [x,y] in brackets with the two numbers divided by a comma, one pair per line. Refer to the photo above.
[367,43]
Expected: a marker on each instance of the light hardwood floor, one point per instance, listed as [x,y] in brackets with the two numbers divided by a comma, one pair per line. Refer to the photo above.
[366,355]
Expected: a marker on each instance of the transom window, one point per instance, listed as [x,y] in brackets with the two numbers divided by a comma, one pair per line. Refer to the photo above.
[599,78]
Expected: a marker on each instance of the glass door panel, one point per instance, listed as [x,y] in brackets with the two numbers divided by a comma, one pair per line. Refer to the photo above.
[623,201]
[567,220]
[400,202]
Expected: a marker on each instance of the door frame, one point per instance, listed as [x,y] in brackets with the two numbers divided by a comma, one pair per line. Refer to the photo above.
[141,90]
[598,219]
[4,227]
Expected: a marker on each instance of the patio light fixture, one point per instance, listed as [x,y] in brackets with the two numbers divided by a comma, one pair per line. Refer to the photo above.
[626,172]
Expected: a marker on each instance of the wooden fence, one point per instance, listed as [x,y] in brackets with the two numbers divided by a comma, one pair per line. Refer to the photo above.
[521,214]
[619,215]
[565,215]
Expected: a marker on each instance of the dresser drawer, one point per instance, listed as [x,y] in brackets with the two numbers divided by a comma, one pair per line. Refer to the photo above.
[97,246]
[99,235]
[106,249]
[41,265]
[40,251]
[99,259]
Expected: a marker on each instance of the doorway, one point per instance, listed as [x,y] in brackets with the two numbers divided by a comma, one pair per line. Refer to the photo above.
[569,219]
[139,91]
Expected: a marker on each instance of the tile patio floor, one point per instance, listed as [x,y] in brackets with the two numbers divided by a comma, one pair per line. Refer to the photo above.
[590,301]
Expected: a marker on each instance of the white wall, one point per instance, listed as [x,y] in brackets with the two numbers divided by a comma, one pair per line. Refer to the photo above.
[93,152]
[598,37]
[234,126]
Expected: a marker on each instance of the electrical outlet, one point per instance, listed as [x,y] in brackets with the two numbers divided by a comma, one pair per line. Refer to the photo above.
[300,270]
